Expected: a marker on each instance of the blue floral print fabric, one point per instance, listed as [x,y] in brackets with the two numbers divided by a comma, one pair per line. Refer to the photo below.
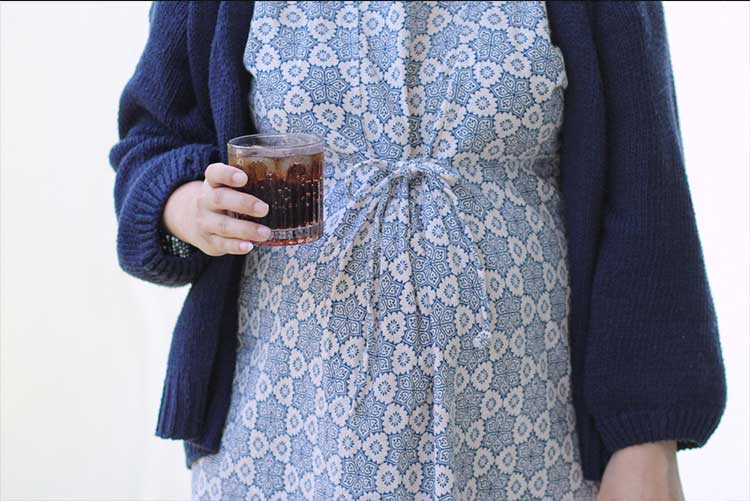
[419,349]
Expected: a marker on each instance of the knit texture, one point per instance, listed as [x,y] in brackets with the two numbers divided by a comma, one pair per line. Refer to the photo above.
[645,352]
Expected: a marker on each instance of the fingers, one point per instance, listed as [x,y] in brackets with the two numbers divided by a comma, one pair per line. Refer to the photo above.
[220,233]
[219,174]
[214,223]
[232,200]
[223,245]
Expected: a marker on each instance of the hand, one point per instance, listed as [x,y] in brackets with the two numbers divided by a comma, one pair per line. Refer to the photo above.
[643,472]
[196,213]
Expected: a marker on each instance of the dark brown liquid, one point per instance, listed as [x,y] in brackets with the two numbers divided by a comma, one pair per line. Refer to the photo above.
[291,186]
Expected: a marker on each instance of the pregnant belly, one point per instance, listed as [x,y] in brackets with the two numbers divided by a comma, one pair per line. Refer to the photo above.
[409,245]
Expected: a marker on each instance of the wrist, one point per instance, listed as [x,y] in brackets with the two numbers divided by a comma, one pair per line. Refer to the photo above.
[650,458]
[649,462]
[643,471]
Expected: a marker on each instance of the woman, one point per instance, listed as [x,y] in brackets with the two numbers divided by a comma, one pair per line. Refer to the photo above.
[509,300]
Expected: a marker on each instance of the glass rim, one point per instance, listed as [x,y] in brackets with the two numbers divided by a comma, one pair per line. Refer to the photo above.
[311,140]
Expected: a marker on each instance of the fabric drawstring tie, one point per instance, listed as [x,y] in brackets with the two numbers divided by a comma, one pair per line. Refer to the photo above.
[365,232]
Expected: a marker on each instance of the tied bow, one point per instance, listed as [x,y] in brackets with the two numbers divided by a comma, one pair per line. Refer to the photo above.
[390,247]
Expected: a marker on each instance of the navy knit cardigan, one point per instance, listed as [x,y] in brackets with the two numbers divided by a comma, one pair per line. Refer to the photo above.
[645,349]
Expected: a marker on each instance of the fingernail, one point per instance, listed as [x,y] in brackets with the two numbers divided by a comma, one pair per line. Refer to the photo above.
[261,206]
[246,246]
[264,232]
[238,177]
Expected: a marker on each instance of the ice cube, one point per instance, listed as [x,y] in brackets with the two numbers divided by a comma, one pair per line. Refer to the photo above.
[257,167]
[296,168]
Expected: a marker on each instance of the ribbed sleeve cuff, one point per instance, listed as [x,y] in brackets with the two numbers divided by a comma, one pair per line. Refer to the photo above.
[690,427]
[183,405]
[139,240]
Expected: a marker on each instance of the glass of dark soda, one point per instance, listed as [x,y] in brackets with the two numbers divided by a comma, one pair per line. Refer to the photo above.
[286,172]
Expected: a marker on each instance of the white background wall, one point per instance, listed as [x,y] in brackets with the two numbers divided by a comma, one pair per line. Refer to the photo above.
[84,346]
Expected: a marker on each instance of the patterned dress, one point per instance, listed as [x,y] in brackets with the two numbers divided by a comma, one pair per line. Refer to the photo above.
[419,349]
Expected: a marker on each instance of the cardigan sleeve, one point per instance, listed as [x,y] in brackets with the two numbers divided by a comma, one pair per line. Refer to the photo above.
[165,140]
[653,366]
